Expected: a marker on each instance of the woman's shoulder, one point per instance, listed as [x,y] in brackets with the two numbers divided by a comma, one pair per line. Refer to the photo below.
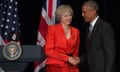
[75,29]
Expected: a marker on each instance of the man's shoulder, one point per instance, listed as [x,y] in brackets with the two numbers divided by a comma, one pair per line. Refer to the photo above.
[106,25]
[103,22]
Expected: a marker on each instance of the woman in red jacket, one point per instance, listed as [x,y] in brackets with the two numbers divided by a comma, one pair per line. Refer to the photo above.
[62,43]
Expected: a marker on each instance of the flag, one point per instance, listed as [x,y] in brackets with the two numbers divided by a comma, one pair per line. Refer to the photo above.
[47,18]
[9,21]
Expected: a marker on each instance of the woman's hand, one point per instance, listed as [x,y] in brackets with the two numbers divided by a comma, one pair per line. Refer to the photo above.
[74,60]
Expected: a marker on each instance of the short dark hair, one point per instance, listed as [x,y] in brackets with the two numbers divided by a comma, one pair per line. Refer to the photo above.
[92,4]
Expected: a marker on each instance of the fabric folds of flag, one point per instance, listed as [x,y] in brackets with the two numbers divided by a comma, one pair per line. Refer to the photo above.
[47,18]
[9,21]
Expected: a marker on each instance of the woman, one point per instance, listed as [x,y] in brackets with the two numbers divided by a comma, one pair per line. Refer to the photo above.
[62,43]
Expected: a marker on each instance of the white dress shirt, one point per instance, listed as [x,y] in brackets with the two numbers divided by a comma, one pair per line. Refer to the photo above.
[92,24]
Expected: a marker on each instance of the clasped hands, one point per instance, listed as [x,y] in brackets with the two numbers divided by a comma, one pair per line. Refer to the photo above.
[74,60]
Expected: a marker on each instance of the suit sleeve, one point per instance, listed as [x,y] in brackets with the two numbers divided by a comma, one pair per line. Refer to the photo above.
[49,46]
[76,52]
[109,47]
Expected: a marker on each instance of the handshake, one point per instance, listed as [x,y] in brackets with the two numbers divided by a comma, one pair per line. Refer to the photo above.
[74,60]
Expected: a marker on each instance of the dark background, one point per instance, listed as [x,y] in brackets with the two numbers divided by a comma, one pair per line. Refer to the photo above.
[30,12]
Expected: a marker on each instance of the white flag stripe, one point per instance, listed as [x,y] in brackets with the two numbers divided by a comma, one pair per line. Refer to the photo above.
[41,40]
[46,17]
[14,36]
[40,66]
[1,41]
[53,12]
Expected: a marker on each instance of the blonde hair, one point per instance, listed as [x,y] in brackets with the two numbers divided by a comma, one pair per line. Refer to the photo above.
[62,9]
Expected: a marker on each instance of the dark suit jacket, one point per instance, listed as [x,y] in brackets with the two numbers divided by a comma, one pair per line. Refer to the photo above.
[101,51]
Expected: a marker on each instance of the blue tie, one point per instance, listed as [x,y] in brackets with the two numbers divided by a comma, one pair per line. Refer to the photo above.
[90,28]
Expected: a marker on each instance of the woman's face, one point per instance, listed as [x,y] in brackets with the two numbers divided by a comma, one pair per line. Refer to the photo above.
[66,18]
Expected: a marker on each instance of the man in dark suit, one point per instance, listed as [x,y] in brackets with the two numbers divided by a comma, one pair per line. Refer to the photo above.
[100,44]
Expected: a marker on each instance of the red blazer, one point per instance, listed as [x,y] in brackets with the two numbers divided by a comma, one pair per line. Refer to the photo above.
[56,44]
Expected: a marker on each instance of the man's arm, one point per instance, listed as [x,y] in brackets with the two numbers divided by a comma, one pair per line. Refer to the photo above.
[109,47]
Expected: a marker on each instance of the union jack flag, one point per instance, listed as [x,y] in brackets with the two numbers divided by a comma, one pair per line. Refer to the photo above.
[47,18]
[9,21]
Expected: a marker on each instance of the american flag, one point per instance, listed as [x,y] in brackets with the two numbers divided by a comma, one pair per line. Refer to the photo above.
[9,21]
[47,18]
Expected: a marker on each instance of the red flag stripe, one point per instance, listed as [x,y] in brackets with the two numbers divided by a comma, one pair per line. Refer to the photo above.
[50,3]
[43,27]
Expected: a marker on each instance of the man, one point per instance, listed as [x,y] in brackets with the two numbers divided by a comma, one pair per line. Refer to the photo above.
[100,44]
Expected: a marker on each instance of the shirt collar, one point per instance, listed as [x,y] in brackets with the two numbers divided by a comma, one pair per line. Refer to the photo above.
[94,21]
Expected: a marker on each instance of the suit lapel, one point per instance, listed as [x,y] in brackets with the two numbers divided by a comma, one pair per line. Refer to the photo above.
[94,30]
[61,33]
[60,30]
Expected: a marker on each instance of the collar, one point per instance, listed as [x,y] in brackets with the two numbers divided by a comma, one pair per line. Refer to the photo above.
[94,21]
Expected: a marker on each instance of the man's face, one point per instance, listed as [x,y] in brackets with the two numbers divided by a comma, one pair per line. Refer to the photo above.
[88,13]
